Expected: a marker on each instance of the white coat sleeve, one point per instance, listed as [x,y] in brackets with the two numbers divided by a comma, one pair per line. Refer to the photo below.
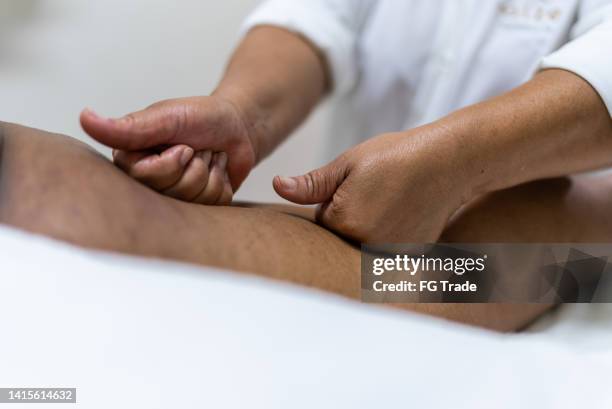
[589,51]
[333,26]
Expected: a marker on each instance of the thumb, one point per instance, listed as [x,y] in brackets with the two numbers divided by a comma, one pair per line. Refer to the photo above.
[317,186]
[140,130]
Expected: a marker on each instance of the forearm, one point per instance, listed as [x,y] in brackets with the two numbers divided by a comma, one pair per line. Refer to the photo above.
[275,78]
[554,125]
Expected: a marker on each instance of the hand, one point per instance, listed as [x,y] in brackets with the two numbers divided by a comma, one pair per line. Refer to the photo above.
[400,187]
[194,149]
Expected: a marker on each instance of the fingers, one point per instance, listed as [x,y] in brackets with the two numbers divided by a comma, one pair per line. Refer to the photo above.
[204,123]
[179,173]
[228,192]
[218,189]
[314,187]
[159,171]
[194,178]
[156,125]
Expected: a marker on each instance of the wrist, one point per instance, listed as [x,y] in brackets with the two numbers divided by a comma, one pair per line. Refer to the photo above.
[469,157]
[249,114]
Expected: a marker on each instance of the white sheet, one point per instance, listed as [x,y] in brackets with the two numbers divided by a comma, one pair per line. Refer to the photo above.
[132,333]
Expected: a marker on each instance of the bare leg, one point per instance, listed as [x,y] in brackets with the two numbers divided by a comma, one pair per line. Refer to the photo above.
[57,186]
[54,185]
[564,210]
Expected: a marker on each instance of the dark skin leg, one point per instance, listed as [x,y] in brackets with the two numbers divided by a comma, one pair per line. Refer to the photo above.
[59,187]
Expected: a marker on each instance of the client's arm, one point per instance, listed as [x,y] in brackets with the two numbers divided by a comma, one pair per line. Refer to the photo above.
[57,186]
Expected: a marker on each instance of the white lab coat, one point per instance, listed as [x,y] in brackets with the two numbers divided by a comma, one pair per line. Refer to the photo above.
[397,64]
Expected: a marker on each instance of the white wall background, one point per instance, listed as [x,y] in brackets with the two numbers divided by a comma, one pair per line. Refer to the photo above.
[116,56]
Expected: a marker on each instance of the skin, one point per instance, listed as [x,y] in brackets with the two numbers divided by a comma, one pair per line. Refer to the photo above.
[97,206]
[456,180]
[272,82]
[554,125]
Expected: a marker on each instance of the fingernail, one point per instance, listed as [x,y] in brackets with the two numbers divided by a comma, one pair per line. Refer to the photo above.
[207,158]
[186,156]
[213,160]
[91,112]
[289,184]
[222,160]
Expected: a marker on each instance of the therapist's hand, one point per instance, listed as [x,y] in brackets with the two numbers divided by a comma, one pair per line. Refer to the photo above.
[195,149]
[400,187]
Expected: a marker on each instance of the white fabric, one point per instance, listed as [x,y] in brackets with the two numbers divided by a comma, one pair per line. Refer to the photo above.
[131,333]
[400,64]
[589,54]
